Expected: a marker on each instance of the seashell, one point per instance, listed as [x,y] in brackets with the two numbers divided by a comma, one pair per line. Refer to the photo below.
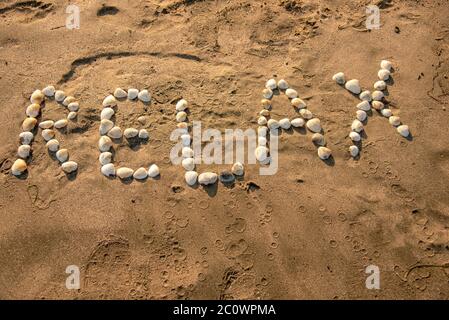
[353,86]
[132,93]
[383,74]
[306,114]
[282,84]
[142,119]
[394,121]
[140,174]
[354,151]
[183,126]
[24,151]
[19,166]
[26,137]
[377,105]
[378,95]
[266,104]
[380,85]
[364,105]
[153,171]
[339,78]
[187,152]
[181,105]
[365,95]
[318,139]
[46,124]
[261,121]
[298,103]
[361,115]
[108,170]
[285,123]
[385,64]
[59,96]
[37,97]
[267,93]
[403,130]
[386,113]
[264,113]
[357,126]
[48,134]
[298,122]
[144,96]
[61,124]
[262,141]
[262,131]
[207,178]
[105,126]
[185,139]
[62,155]
[109,101]
[73,106]
[143,134]
[188,164]
[105,143]
[271,84]
[72,115]
[53,145]
[354,136]
[181,116]
[314,125]
[131,133]
[28,124]
[119,93]
[324,153]
[107,113]
[49,91]
[33,110]
[291,93]
[191,177]
[238,169]
[261,153]
[105,158]
[68,100]
[272,124]
[124,173]
[226,177]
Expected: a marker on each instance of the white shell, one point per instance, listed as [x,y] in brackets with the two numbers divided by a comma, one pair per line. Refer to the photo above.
[262,141]
[324,153]
[394,121]
[403,130]
[104,144]
[24,151]
[318,139]
[19,166]
[53,145]
[282,84]
[108,170]
[271,84]
[37,97]
[261,121]
[130,133]
[105,126]
[354,136]
[144,96]
[261,153]
[386,113]
[361,115]
[124,173]
[314,125]
[339,78]
[285,123]
[188,164]
[119,93]
[182,127]
[298,122]
[73,106]
[109,101]
[49,91]
[46,124]
[181,105]
[153,171]
[272,124]
[143,134]
[207,178]
[62,155]
[353,86]
[115,133]
[61,124]
[140,174]
[187,152]
[72,115]
[298,103]
[28,124]
[380,85]
[364,105]
[291,93]
[267,93]
[378,95]
[132,93]
[377,105]
[383,74]
[264,113]
[26,137]
[365,95]
[68,100]
[142,119]
[107,113]
[181,116]
[385,64]
[266,104]
[33,110]
[185,139]
[354,151]
[59,96]
[306,114]
[262,131]
[191,177]
[238,169]
[105,158]
[48,134]
[357,126]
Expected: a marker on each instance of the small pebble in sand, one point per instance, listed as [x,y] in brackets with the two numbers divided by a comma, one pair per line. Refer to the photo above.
[109,101]
[298,103]
[353,86]
[72,115]
[364,105]
[226,177]
[140,174]
[238,169]
[339,78]
[324,153]
[153,171]
[119,93]
[19,166]
[306,114]
[181,105]
[188,164]
[285,123]
[104,144]
[378,95]
[318,139]
[298,122]
[361,115]
[282,84]
[403,130]
[125,173]
[143,134]
[357,126]
[62,155]
[48,134]
[383,74]
[386,113]
[377,105]
[142,119]
[28,124]
[115,133]
[53,145]
[264,113]
[271,84]
[354,136]
[365,95]
[380,85]
[267,93]
[144,96]
[354,151]
[183,127]
[33,110]
[314,125]
[261,153]
[69,166]
[207,178]
[132,93]
[105,158]
[73,106]
[266,104]
[191,177]
[47,124]
[26,137]
[105,126]
[61,124]
[24,151]
[108,170]
[107,113]
[130,133]
[273,124]
[387,65]
[181,116]
[37,97]
[261,121]
[291,93]
[49,91]
[394,120]
[59,96]
[68,100]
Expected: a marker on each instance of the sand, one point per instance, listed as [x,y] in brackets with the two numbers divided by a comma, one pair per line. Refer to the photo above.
[308,232]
